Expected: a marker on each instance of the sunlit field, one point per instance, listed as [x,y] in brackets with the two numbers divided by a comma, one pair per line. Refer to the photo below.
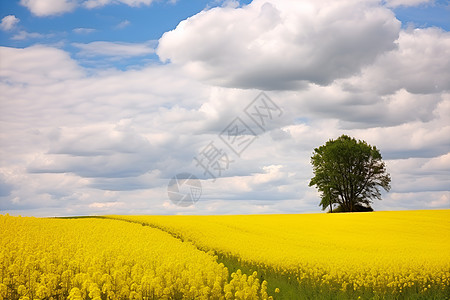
[380,255]
[108,259]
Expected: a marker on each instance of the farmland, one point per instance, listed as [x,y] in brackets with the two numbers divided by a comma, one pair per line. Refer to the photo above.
[381,255]
[107,259]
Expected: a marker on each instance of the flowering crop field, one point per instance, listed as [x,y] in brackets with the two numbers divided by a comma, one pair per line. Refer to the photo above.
[109,259]
[380,255]
[394,255]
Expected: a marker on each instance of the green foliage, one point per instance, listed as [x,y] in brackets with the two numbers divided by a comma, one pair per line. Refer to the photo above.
[348,173]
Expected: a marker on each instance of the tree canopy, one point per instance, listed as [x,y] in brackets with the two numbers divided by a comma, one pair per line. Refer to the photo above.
[348,173]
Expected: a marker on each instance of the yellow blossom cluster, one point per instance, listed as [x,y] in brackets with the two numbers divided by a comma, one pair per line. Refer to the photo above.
[369,255]
[97,259]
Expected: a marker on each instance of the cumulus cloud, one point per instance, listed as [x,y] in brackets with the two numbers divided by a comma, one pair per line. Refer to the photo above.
[96,151]
[9,22]
[116,49]
[441,163]
[420,65]
[83,141]
[5,187]
[396,3]
[76,122]
[413,200]
[278,44]
[43,8]
[365,109]
[38,65]
[405,86]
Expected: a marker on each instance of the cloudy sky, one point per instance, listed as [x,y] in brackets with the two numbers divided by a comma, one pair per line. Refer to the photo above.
[104,101]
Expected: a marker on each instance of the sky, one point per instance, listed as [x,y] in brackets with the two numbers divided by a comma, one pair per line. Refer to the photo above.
[104,102]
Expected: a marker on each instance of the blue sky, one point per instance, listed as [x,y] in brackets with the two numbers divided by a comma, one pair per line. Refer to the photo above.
[425,15]
[103,102]
[115,23]
[123,23]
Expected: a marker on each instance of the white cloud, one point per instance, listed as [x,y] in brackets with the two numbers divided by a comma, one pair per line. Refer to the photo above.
[442,201]
[80,141]
[395,3]
[99,3]
[116,49]
[420,65]
[24,35]
[410,139]
[96,151]
[9,22]
[82,30]
[43,8]
[408,201]
[123,24]
[281,44]
[38,65]
[440,163]
[230,3]
[107,204]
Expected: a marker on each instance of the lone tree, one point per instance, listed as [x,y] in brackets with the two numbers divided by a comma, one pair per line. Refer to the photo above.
[348,173]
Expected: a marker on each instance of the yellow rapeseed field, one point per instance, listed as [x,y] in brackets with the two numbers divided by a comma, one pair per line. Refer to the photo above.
[380,255]
[403,254]
[109,259]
